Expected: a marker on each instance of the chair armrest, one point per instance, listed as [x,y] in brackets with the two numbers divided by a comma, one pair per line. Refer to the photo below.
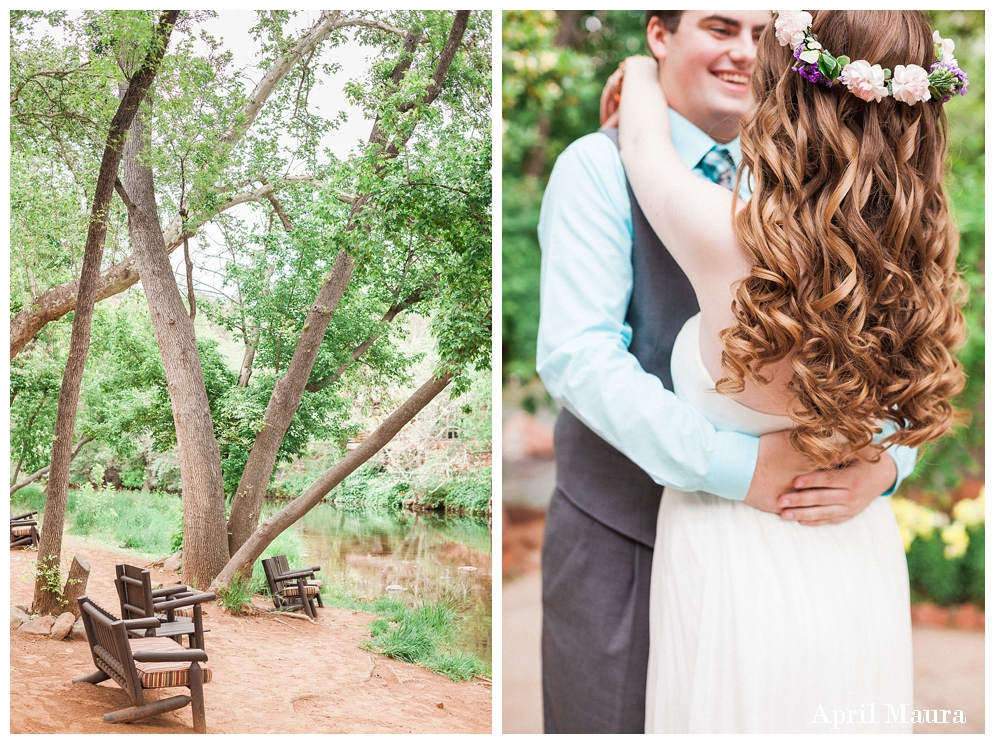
[188,601]
[169,590]
[23,523]
[180,654]
[300,573]
[23,516]
[141,622]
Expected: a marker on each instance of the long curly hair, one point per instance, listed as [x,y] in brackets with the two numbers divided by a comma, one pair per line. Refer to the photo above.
[852,245]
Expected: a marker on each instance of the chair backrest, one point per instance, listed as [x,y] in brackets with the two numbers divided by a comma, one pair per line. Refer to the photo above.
[109,645]
[134,589]
[281,563]
[271,567]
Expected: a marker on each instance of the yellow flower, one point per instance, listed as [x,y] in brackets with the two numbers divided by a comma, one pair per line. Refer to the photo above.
[955,540]
[971,511]
[915,520]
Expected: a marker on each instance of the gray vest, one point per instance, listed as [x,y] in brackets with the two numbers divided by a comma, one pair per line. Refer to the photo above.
[592,474]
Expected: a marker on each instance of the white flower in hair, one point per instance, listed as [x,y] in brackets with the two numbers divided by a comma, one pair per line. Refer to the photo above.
[791,26]
[910,84]
[864,80]
[946,48]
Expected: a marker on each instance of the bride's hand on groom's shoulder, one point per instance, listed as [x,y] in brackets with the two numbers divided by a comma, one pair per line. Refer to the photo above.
[610,97]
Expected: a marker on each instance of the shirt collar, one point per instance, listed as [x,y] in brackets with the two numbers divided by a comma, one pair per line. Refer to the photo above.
[692,143]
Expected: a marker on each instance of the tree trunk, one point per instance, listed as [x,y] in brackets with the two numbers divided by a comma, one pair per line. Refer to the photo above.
[245,371]
[251,549]
[50,547]
[79,574]
[283,404]
[286,397]
[41,471]
[205,551]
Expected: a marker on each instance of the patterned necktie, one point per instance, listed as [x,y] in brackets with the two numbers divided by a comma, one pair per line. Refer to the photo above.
[717,166]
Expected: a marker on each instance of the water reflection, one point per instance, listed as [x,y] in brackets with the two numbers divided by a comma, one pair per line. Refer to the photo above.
[413,557]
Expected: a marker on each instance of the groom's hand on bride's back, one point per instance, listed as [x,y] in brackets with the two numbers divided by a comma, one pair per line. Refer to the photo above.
[786,482]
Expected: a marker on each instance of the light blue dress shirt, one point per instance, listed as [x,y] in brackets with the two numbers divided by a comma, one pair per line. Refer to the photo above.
[585,232]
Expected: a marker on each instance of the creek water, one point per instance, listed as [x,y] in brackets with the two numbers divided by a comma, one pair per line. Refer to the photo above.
[414,558]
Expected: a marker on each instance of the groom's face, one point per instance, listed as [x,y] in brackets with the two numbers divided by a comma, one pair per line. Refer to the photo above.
[706,63]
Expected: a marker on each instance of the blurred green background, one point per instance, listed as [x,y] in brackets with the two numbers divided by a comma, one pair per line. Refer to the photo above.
[554,65]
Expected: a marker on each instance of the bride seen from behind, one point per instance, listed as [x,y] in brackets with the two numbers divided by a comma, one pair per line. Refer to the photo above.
[830,306]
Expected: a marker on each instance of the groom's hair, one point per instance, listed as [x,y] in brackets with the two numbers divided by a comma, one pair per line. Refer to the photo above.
[670,19]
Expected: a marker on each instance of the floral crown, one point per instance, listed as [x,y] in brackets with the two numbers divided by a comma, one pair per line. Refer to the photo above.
[909,83]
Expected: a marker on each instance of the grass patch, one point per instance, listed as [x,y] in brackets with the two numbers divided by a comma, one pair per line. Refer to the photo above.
[422,635]
[237,597]
[29,498]
[145,521]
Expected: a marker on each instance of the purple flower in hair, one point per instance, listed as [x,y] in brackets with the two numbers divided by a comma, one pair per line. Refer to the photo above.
[948,78]
[808,71]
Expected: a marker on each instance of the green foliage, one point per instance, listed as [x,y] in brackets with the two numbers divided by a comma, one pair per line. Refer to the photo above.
[421,635]
[947,460]
[29,498]
[469,493]
[50,575]
[237,596]
[148,522]
[945,581]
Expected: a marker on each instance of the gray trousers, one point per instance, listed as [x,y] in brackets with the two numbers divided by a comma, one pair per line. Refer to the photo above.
[595,625]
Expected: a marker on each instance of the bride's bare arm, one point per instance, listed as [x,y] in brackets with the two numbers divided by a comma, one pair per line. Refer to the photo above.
[691,215]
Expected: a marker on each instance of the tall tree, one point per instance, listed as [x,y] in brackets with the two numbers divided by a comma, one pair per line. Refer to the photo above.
[46,599]
[251,491]
[200,459]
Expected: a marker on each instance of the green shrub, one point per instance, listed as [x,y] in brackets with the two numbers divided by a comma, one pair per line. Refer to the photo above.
[421,635]
[141,520]
[236,597]
[468,493]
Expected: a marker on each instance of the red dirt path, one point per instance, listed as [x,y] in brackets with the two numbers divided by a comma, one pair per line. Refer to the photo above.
[272,674]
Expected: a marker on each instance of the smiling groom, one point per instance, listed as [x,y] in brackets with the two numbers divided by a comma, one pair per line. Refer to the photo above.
[612,302]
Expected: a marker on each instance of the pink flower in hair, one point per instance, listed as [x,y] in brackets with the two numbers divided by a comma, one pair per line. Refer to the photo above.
[864,81]
[910,84]
[791,26]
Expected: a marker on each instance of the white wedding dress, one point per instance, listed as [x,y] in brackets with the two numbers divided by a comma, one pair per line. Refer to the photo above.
[758,625]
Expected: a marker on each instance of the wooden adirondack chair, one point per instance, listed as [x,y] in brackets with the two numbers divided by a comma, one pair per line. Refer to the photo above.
[296,589]
[23,529]
[139,600]
[140,664]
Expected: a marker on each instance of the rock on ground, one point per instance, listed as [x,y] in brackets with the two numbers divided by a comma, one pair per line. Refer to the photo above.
[78,633]
[18,617]
[63,624]
[38,626]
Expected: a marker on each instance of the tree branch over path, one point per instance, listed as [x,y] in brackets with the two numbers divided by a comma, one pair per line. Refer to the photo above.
[57,301]
[50,546]
[42,471]
[269,530]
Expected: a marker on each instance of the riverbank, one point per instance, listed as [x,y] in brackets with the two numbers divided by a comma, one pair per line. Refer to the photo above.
[272,674]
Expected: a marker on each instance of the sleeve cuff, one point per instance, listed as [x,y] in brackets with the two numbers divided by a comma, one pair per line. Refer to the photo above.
[733,461]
